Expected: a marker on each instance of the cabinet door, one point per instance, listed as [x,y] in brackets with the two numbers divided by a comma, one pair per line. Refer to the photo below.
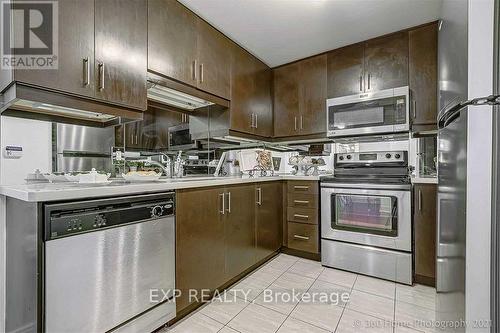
[423,74]
[386,62]
[425,231]
[239,229]
[214,56]
[312,95]
[243,91]
[268,218]
[121,52]
[262,104]
[76,52]
[286,100]
[199,242]
[172,35]
[345,71]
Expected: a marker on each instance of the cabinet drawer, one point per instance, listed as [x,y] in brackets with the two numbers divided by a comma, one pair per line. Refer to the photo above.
[303,187]
[302,215]
[303,237]
[300,200]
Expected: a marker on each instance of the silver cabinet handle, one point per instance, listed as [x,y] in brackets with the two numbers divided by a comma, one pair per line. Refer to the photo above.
[201,73]
[301,123]
[86,71]
[136,138]
[414,109]
[252,122]
[223,210]
[419,200]
[369,79]
[100,73]
[302,202]
[300,216]
[256,121]
[228,202]
[361,83]
[194,67]
[259,196]
[301,237]
[300,187]
[295,122]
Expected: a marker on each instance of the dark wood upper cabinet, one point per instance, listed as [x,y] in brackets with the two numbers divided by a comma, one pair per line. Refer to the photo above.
[300,91]
[251,109]
[214,60]
[286,100]
[312,95]
[172,37]
[239,229]
[268,218]
[200,241]
[345,70]
[121,52]
[75,54]
[424,220]
[423,43]
[386,62]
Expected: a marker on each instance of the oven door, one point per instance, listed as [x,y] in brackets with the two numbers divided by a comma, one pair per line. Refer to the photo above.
[369,216]
[385,111]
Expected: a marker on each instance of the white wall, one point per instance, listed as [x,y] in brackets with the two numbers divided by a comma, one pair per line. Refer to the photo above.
[36,139]
[479,164]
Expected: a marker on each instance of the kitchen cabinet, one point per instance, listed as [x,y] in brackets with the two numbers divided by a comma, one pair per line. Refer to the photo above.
[423,43]
[299,97]
[75,54]
[121,52]
[184,47]
[251,109]
[386,62]
[424,221]
[200,241]
[223,231]
[376,64]
[172,35]
[93,38]
[345,70]
[268,227]
[239,229]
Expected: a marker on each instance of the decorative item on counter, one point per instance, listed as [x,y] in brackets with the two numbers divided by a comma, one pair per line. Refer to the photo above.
[303,164]
[276,163]
[36,177]
[56,177]
[94,177]
[257,161]
[141,176]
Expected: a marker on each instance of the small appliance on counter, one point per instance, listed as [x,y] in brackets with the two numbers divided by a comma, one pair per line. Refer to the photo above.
[366,215]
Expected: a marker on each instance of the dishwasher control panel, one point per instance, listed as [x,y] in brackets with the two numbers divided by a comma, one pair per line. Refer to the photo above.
[66,222]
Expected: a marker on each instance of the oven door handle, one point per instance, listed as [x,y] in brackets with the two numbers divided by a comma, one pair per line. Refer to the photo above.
[333,210]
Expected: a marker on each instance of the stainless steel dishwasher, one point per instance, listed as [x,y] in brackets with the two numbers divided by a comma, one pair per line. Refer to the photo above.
[109,264]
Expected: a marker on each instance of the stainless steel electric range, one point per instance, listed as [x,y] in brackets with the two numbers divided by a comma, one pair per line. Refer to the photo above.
[366,215]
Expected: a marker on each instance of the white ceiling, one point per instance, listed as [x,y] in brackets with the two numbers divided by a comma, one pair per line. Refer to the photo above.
[281,31]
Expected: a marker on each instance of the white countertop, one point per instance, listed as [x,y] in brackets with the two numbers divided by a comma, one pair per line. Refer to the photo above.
[72,191]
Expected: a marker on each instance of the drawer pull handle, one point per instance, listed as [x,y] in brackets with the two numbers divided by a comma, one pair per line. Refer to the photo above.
[304,202]
[301,187]
[301,237]
[301,216]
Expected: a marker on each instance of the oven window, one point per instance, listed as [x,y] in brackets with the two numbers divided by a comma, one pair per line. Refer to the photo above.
[371,214]
[381,112]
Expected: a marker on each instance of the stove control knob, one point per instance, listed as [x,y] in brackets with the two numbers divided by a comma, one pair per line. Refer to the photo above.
[388,155]
[156,211]
[341,158]
[397,156]
[349,157]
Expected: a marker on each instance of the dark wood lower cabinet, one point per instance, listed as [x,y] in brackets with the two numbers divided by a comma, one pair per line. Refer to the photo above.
[268,219]
[424,222]
[200,244]
[223,231]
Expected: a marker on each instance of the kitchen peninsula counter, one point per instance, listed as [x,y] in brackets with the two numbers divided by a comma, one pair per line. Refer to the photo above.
[44,192]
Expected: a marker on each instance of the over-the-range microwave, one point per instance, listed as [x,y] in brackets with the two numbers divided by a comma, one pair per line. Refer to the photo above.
[379,112]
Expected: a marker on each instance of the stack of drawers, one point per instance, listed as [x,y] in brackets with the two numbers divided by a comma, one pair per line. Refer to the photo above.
[302,215]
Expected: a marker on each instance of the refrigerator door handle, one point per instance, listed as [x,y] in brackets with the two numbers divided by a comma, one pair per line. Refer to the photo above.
[449,114]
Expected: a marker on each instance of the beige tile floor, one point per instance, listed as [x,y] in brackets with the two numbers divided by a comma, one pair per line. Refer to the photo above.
[369,304]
